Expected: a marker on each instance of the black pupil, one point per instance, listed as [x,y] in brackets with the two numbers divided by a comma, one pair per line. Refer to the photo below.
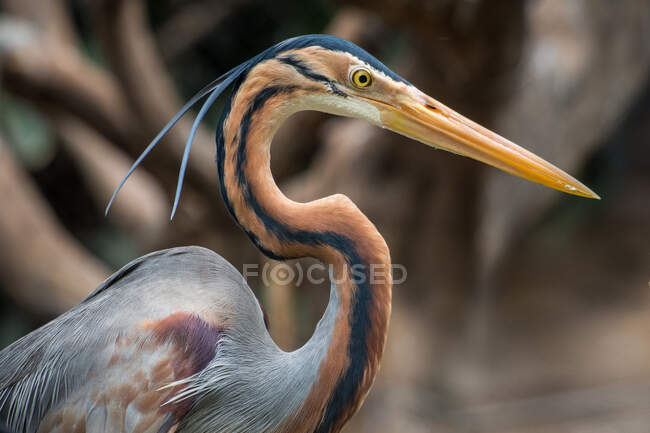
[363,79]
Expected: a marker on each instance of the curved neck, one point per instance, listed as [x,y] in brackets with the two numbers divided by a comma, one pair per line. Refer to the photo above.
[331,229]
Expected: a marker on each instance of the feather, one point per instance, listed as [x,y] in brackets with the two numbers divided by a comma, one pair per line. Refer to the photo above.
[181,174]
[215,88]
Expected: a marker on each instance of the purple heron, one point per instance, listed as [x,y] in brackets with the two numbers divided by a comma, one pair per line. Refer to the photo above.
[175,341]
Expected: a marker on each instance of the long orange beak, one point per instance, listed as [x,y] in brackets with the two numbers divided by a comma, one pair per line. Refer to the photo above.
[424,119]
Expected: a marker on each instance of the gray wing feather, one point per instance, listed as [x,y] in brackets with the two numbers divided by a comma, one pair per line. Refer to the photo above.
[45,367]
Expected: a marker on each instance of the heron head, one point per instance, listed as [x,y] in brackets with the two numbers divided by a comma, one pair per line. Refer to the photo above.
[343,79]
[333,75]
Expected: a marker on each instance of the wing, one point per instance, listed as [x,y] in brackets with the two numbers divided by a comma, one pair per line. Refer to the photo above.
[104,365]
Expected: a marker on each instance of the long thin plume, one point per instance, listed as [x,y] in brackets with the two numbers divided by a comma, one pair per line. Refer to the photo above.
[181,173]
[215,88]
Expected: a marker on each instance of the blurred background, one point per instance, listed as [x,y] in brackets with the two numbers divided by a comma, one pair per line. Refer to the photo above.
[524,310]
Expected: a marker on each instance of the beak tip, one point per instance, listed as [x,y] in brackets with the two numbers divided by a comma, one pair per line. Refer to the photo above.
[585,192]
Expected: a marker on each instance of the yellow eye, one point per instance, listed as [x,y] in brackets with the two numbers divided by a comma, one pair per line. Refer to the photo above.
[361,78]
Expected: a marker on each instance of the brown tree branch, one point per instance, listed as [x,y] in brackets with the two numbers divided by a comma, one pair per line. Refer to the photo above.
[143,208]
[57,77]
[133,54]
[564,106]
[48,72]
[51,17]
[39,260]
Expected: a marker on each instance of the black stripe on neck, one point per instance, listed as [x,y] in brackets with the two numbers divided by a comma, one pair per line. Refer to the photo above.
[346,389]
[221,157]
[258,102]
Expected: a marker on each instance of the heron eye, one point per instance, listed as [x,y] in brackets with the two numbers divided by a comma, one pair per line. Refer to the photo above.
[361,78]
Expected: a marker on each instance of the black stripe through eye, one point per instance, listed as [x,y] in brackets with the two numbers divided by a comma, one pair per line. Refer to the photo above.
[307,72]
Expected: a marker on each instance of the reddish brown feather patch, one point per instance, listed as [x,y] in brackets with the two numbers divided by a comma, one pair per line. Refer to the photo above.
[195,342]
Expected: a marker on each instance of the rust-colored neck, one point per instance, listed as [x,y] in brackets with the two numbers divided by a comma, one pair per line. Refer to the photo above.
[331,229]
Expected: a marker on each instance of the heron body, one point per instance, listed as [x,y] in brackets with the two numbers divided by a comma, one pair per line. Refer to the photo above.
[175,341]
